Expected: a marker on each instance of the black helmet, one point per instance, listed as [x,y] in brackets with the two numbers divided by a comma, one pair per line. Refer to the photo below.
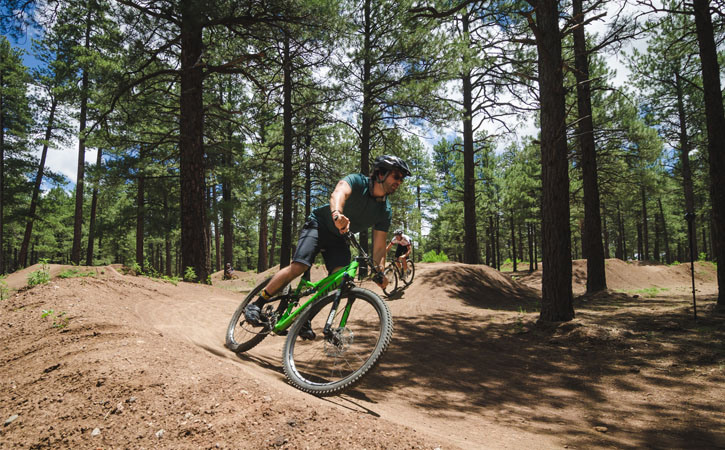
[387,163]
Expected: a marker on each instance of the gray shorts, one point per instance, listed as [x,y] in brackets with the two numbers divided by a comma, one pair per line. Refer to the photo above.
[315,239]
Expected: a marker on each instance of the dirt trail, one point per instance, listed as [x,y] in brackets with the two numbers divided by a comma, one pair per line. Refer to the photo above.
[142,363]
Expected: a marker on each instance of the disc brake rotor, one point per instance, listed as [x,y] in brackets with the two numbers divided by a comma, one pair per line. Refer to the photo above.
[339,342]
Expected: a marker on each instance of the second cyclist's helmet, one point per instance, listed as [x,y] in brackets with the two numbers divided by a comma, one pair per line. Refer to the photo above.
[387,163]
[398,232]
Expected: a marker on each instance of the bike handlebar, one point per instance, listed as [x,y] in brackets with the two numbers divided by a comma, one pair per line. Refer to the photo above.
[350,238]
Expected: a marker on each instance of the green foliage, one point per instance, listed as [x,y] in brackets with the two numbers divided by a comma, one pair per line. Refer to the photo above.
[432,256]
[4,290]
[190,274]
[60,320]
[40,276]
[76,273]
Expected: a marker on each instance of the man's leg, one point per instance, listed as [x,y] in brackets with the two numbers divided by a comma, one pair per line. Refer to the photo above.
[285,276]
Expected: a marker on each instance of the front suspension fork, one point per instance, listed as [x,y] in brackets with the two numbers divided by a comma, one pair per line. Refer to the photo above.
[327,331]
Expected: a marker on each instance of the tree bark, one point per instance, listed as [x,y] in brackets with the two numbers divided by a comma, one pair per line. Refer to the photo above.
[140,200]
[470,249]
[645,227]
[23,256]
[286,244]
[94,207]
[217,234]
[592,236]
[513,241]
[665,234]
[2,178]
[685,155]
[556,301]
[367,105]
[78,216]
[262,258]
[715,134]
[194,250]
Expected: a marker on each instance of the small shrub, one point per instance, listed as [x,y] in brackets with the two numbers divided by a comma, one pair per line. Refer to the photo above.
[4,290]
[189,274]
[60,320]
[136,268]
[41,276]
[432,256]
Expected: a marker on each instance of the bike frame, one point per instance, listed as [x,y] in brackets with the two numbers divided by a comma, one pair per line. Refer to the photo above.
[320,288]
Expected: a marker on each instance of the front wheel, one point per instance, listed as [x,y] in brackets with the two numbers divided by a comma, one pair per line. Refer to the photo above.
[409,274]
[328,365]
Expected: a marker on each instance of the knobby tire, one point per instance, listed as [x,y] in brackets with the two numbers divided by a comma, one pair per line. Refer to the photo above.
[321,368]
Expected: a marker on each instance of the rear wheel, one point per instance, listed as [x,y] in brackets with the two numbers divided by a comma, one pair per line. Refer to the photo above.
[409,274]
[241,336]
[329,365]
[392,275]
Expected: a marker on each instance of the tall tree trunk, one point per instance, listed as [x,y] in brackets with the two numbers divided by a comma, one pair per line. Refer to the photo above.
[640,244]
[685,153]
[227,221]
[94,206]
[194,251]
[605,231]
[470,250]
[645,226]
[367,105]
[273,244]
[22,258]
[666,236]
[498,243]
[2,178]
[286,245]
[592,236]
[556,300]
[167,232]
[530,233]
[78,216]
[217,234]
[262,258]
[513,241]
[140,201]
[656,253]
[715,135]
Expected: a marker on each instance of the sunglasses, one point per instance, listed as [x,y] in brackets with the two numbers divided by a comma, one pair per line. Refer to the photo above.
[398,176]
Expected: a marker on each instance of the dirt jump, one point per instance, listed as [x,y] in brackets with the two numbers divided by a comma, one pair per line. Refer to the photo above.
[107,360]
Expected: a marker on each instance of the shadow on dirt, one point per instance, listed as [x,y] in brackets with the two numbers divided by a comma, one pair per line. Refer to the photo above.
[526,376]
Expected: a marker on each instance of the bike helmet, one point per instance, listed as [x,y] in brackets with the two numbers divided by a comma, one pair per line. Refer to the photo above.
[387,163]
[397,232]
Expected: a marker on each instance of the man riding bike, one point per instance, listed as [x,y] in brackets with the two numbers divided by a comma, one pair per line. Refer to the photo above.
[402,252]
[357,203]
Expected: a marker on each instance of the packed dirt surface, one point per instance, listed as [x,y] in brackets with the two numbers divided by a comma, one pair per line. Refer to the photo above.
[119,361]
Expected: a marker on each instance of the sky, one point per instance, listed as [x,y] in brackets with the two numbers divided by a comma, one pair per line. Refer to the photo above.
[65,160]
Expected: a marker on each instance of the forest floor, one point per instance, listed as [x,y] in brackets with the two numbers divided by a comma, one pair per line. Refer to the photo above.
[119,361]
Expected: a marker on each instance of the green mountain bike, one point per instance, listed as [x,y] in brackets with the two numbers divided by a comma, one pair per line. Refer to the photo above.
[351,328]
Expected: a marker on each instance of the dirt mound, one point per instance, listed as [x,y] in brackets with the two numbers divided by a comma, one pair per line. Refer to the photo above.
[635,277]
[475,285]
[116,361]
[19,280]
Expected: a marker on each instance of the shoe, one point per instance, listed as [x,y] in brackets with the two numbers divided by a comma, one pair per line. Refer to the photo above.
[253,315]
[306,332]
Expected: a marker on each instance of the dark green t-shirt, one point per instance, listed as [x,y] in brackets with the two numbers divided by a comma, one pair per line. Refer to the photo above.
[360,207]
